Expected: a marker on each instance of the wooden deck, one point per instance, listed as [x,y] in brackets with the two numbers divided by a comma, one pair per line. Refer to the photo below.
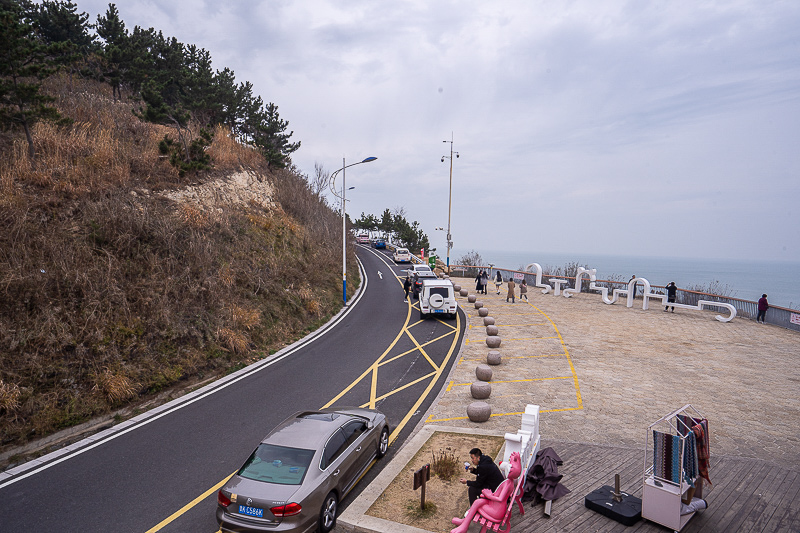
[747,495]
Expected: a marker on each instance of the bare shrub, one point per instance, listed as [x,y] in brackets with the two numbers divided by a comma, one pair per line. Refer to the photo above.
[445,464]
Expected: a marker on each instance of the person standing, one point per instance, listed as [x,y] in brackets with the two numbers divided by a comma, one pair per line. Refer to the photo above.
[485,281]
[407,287]
[498,280]
[763,305]
[634,285]
[488,474]
[523,290]
[672,291]
[511,286]
[478,283]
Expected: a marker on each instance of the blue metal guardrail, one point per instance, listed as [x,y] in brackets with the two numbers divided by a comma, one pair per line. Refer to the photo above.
[779,316]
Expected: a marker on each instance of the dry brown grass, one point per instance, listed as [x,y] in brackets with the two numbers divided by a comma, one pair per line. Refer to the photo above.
[115,385]
[9,396]
[108,297]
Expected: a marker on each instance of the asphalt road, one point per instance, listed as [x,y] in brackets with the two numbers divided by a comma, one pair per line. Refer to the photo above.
[163,474]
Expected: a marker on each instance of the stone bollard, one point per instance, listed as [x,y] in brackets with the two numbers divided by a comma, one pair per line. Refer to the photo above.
[493,357]
[483,311]
[471,298]
[487,321]
[493,342]
[492,330]
[457,288]
[479,411]
[480,390]
[463,292]
[483,372]
[478,304]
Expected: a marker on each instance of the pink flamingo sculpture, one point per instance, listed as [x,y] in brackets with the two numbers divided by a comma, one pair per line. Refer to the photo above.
[492,507]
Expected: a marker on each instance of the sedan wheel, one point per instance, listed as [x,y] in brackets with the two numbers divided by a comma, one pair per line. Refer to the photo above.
[327,515]
[383,444]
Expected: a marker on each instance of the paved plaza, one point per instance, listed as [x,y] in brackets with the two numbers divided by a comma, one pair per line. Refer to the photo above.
[602,373]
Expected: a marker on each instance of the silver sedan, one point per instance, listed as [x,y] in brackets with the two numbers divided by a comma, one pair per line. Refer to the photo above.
[296,477]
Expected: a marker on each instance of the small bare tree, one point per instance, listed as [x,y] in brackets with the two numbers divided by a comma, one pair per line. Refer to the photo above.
[319,181]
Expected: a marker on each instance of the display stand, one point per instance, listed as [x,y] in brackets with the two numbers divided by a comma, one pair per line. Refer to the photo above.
[661,497]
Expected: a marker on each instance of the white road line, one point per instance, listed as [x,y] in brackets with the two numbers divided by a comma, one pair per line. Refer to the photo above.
[43,463]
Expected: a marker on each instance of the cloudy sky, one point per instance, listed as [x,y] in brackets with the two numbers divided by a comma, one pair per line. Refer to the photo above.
[646,128]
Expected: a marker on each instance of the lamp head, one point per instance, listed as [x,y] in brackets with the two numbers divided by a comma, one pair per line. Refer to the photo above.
[457,155]
[442,159]
[368,159]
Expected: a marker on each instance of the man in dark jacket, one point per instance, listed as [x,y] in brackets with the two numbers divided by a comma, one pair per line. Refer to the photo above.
[672,291]
[488,474]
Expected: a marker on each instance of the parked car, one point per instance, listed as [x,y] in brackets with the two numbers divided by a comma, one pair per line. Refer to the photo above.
[436,296]
[414,269]
[379,243]
[418,278]
[362,238]
[296,477]
[402,255]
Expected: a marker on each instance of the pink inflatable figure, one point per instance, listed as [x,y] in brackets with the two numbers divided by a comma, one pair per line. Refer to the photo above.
[492,507]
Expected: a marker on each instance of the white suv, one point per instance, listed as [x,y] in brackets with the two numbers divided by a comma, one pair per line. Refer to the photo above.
[402,255]
[437,297]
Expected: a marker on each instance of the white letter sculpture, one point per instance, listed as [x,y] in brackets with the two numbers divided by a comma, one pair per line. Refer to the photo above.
[538,267]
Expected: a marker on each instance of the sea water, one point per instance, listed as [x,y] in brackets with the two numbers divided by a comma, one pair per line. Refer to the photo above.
[747,280]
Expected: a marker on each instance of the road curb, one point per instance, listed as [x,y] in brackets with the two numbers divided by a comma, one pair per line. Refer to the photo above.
[21,471]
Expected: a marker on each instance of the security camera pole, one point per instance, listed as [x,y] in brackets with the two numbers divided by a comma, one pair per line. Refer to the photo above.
[450,200]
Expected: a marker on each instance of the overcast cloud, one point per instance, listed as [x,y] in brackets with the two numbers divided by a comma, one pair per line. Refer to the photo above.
[650,128]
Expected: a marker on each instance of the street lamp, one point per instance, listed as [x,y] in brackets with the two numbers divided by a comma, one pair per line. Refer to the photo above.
[450,199]
[344,218]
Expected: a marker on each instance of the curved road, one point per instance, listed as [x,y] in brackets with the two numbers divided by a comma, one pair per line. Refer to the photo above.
[162,473]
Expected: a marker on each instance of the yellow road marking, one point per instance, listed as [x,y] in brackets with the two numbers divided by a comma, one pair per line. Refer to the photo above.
[179,512]
[512,381]
[522,339]
[373,370]
[394,391]
[503,414]
[516,357]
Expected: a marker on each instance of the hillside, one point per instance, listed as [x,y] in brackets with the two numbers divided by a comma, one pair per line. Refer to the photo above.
[121,279]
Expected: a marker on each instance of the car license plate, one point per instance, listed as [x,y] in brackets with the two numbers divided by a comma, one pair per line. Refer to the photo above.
[251,511]
[439,311]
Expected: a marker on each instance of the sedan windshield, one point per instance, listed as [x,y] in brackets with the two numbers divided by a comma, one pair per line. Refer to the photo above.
[277,464]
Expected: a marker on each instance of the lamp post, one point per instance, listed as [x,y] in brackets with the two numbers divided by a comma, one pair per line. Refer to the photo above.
[450,200]
[344,217]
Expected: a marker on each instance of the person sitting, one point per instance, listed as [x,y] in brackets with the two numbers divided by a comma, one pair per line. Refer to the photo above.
[492,504]
[488,475]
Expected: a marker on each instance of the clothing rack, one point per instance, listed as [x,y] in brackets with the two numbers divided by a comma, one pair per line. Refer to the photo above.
[661,491]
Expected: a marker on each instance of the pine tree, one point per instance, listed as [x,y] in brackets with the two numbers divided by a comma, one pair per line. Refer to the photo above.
[24,63]
[112,30]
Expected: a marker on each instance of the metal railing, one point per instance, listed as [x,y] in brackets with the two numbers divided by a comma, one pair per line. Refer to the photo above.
[779,316]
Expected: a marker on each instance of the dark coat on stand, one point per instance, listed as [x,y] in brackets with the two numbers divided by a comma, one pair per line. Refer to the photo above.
[543,477]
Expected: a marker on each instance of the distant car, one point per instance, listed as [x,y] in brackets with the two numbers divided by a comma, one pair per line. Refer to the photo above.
[362,238]
[296,477]
[437,297]
[379,243]
[402,255]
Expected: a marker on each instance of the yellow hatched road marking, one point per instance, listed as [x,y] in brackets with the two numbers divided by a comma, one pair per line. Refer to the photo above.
[372,371]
